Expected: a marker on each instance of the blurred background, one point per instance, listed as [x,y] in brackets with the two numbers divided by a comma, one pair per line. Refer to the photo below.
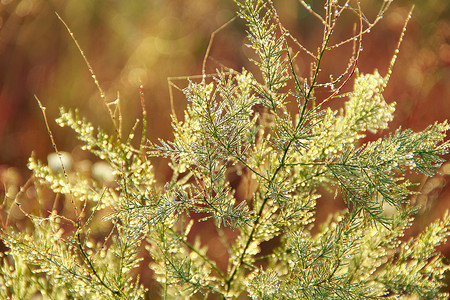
[129,43]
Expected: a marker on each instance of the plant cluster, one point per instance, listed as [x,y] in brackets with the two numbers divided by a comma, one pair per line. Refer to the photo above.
[269,128]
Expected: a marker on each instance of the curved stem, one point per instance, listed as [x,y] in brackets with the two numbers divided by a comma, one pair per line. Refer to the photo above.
[91,266]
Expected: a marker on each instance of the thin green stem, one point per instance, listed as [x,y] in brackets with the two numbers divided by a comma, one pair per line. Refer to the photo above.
[297,82]
[316,72]
[206,259]
[91,266]
[280,166]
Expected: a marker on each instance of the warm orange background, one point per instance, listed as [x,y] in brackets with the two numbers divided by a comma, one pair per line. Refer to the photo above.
[134,42]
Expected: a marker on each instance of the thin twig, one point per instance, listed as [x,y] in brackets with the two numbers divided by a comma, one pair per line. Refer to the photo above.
[213,34]
[43,108]
[286,32]
[18,204]
[144,119]
[394,58]
[94,77]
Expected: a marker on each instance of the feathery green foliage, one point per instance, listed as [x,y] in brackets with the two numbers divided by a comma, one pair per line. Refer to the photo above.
[239,123]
